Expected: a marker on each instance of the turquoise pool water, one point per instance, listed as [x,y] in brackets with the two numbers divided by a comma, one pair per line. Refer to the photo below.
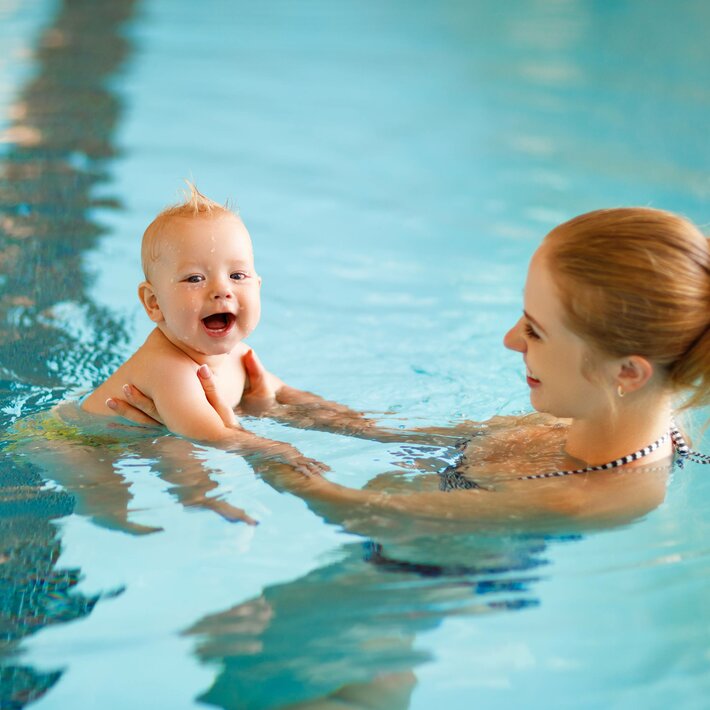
[396,163]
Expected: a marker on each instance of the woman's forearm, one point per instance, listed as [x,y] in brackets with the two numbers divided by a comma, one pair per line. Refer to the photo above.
[306,410]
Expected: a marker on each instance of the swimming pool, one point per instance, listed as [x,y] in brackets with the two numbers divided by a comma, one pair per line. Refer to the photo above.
[396,164]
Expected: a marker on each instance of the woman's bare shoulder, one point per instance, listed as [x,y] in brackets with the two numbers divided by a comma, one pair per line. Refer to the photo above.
[516,421]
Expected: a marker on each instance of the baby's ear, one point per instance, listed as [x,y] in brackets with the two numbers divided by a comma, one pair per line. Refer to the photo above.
[147,297]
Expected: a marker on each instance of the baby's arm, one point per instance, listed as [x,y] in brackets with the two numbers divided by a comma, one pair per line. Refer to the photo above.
[184,409]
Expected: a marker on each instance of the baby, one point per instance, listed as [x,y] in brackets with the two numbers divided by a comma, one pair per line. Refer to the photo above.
[202,292]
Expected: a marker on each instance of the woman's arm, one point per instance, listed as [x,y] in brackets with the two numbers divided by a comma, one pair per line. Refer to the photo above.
[267,395]
[382,515]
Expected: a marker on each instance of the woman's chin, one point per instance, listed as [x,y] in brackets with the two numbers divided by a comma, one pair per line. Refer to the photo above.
[540,406]
[557,412]
[535,402]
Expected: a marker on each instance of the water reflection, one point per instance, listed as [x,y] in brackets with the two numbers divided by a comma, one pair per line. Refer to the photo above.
[90,460]
[59,145]
[56,150]
[346,632]
[34,593]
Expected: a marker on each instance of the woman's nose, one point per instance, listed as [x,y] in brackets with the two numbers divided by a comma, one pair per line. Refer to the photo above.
[514,340]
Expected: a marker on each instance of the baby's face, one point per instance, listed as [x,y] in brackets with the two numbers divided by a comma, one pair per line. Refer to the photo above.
[205,289]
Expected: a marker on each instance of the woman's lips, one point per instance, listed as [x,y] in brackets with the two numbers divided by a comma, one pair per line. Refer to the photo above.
[219,324]
[532,381]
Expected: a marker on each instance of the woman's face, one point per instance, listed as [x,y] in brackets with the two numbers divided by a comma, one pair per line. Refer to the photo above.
[555,357]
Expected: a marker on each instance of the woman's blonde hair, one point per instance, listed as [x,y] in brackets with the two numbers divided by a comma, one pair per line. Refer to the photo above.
[195,204]
[636,281]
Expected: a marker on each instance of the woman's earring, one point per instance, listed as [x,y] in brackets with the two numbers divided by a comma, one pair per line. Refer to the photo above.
[620,391]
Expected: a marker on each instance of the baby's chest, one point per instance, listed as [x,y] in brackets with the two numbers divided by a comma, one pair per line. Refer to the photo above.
[231,383]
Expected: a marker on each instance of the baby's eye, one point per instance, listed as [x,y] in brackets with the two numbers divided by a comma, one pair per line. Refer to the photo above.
[194,279]
[238,276]
[530,332]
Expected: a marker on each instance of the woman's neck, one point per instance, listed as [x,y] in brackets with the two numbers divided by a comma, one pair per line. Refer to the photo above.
[631,427]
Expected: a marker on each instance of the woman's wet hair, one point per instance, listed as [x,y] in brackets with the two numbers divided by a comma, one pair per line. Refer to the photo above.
[636,281]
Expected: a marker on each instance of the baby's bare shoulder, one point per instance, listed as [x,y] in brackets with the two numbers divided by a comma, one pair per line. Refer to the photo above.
[156,357]
[155,365]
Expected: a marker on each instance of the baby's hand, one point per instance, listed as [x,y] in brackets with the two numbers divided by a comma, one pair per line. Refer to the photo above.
[285,453]
[308,467]
[260,394]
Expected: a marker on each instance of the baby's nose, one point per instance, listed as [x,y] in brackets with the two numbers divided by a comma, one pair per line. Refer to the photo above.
[220,291]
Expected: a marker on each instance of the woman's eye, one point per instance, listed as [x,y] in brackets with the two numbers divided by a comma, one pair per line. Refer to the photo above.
[238,275]
[194,279]
[530,332]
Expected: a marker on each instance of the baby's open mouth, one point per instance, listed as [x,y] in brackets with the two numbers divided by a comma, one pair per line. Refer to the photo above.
[219,322]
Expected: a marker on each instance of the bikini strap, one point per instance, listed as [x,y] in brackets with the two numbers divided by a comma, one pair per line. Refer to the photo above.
[683,451]
[616,463]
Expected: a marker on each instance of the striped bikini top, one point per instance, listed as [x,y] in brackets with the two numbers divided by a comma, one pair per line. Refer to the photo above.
[452,479]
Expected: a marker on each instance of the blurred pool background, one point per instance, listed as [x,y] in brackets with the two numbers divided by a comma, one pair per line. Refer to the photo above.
[396,163]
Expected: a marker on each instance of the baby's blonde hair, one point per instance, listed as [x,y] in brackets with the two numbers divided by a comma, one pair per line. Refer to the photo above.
[636,281]
[195,204]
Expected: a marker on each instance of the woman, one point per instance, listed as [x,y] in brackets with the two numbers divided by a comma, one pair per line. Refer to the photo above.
[614,331]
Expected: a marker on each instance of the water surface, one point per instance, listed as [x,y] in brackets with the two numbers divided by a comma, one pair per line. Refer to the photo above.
[396,165]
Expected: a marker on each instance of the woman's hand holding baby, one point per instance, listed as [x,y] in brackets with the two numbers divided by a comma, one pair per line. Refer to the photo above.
[226,413]
[136,408]
[260,393]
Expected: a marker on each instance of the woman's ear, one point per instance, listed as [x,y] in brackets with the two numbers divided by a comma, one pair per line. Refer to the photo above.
[633,373]
[147,297]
